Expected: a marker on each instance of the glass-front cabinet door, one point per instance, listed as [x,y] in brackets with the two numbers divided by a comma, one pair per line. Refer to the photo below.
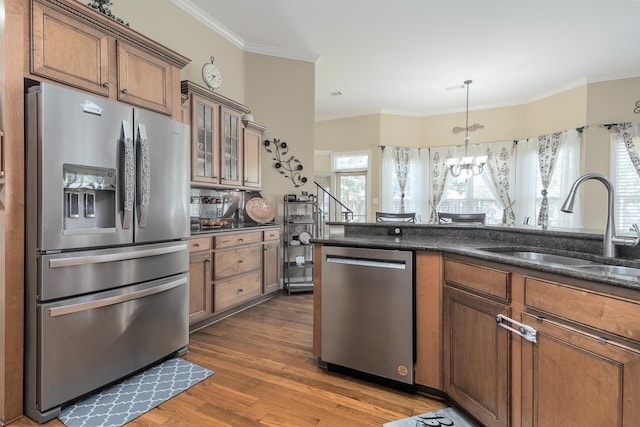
[231,163]
[205,162]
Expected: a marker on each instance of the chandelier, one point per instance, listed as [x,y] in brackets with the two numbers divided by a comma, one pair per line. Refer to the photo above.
[466,165]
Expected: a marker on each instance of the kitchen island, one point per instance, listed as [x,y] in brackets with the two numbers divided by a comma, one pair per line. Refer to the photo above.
[513,339]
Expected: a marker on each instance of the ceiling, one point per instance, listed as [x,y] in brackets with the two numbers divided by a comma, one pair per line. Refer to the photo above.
[411,57]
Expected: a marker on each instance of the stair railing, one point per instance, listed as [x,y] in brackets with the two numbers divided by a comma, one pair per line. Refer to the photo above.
[331,209]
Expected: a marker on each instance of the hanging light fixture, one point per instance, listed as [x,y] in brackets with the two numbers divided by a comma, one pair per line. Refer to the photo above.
[467,165]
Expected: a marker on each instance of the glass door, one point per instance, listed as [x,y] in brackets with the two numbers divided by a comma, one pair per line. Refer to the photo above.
[352,191]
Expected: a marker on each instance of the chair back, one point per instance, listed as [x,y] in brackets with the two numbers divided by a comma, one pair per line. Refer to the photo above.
[395,217]
[471,218]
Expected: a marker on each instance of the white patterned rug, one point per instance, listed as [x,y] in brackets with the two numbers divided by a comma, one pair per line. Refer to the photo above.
[448,417]
[122,402]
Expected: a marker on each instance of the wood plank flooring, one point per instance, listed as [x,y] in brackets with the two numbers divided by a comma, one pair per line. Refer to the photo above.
[265,375]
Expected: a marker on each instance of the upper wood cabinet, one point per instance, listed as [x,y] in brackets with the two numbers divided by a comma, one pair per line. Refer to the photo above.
[253,133]
[231,164]
[75,45]
[205,140]
[225,152]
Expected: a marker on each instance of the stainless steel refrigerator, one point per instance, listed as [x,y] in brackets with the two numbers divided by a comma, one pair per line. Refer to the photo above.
[107,202]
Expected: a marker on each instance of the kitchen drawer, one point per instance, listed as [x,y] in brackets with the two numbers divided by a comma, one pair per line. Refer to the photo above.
[488,281]
[605,312]
[199,244]
[237,261]
[235,239]
[271,235]
[237,290]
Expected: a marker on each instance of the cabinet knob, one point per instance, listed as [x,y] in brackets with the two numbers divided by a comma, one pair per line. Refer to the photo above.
[197,245]
[240,290]
[106,85]
[240,261]
[125,91]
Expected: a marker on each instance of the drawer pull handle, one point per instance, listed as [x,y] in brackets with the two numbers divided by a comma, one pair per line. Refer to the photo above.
[240,240]
[240,290]
[240,261]
[197,245]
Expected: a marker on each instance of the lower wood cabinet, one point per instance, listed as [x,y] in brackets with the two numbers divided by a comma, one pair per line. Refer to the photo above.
[200,303]
[575,379]
[199,286]
[229,270]
[476,356]
[271,261]
[580,366]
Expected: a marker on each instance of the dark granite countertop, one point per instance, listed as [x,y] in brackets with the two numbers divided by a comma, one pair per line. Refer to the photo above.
[485,242]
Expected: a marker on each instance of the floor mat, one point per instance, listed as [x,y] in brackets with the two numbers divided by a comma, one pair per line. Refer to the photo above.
[122,402]
[449,417]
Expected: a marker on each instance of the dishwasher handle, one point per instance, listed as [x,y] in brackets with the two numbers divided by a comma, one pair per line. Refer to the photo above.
[366,262]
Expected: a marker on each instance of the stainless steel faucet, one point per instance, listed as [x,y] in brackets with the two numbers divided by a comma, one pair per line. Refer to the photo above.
[610,239]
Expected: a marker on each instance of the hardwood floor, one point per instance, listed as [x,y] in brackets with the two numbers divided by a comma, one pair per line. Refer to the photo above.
[265,374]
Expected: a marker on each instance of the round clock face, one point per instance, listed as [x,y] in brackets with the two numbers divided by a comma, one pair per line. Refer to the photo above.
[211,75]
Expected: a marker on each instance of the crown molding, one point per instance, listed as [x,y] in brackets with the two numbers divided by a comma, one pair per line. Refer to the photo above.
[236,40]
[210,22]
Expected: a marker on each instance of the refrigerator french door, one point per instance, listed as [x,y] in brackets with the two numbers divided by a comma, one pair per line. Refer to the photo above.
[106,257]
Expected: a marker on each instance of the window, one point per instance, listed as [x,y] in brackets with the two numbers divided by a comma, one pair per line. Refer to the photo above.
[626,182]
[470,196]
[352,181]
[416,185]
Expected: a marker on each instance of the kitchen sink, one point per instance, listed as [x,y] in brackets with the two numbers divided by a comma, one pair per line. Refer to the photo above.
[569,261]
[542,257]
[612,269]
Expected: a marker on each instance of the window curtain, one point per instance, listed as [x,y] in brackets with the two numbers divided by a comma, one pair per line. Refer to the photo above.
[630,133]
[499,176]
[539,195]
[439,178]
[403,180]
[547,155]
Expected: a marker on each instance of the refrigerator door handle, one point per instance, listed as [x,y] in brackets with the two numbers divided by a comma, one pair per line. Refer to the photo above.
[128,175]
[103,302]
[114,257]
[144,176]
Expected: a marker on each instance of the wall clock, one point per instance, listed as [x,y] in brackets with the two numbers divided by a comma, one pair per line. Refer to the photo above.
[211,75]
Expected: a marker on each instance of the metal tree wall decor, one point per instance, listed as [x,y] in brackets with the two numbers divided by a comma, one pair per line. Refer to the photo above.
[101,6]
[289,167]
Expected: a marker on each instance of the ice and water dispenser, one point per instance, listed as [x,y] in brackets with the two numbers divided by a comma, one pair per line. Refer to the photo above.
[89,197]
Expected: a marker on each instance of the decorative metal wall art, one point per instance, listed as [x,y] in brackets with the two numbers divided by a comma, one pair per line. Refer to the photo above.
[101,6]
[289,167]
[637,109]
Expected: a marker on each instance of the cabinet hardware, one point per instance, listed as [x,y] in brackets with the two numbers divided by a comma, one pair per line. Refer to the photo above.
[197,245]
[207,259]
[525,331]
[240,261]
[1,154]
[125,91]
[105,85]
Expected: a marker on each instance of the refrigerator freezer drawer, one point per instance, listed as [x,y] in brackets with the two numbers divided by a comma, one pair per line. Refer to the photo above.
[88,342]
[77,273]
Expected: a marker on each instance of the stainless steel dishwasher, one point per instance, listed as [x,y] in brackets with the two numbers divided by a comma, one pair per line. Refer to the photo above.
[367,311]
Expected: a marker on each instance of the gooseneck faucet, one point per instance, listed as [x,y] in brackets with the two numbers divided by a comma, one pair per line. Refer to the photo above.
[610,239]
